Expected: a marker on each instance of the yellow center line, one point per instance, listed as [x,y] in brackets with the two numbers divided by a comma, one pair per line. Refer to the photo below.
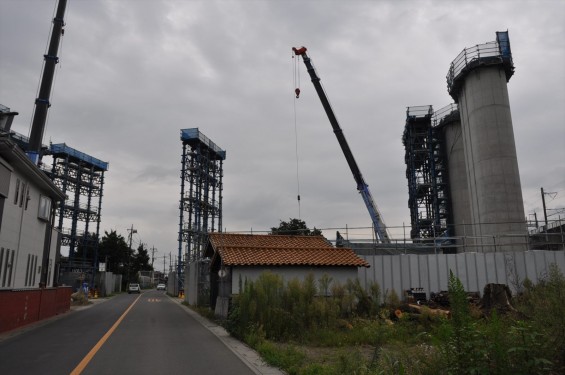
[86,360]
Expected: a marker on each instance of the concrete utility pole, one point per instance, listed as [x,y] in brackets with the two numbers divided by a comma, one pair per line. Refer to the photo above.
[152,269]
[42,102]
[544,210]
[131,232]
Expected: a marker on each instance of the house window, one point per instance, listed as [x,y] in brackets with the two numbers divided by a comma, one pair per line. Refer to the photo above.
[2,200]
[27,279]
[44,208]
[6,268]
[23,193]
[34,269]
[49,271]
[17,191]
[27,197]
[2,262]
[31,270]
[5,177]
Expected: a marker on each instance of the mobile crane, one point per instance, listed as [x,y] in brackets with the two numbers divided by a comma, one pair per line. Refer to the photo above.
[378,223]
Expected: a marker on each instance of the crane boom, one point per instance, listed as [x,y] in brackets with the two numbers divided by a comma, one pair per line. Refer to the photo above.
[378,223]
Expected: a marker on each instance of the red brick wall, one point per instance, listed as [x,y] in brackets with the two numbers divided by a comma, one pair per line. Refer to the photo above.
[21,307]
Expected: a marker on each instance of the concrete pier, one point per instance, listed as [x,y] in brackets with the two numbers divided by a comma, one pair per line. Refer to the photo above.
[495,193]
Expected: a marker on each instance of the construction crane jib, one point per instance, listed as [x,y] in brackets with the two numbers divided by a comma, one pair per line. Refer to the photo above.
[378,223]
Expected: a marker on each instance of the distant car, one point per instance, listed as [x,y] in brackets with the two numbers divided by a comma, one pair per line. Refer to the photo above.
[161,287]
[134,288]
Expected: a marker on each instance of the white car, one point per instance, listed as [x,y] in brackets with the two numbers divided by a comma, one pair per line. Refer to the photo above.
[134,288]
[161,287]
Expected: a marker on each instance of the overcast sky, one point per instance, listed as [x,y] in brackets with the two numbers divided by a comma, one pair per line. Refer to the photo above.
[132,73]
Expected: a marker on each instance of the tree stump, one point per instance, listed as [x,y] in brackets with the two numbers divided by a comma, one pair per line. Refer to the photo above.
[497,297]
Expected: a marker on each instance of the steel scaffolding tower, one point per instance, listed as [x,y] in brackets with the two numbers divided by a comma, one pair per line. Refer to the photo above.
[426,171]
[81,178]
[201,193]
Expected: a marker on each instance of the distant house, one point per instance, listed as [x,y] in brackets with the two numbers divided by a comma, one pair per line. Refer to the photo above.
[235,257]
[28,239]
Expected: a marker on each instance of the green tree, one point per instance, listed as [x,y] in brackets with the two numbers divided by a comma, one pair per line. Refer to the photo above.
[114,250]
[295,227]
[141,260]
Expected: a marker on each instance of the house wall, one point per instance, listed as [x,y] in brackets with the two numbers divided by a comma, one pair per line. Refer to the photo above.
[22,235]
[338,274]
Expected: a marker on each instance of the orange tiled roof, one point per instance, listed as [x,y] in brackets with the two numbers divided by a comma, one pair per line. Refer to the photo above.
[280,250]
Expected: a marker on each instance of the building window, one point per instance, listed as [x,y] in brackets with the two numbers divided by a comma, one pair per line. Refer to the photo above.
[28,278]
[2,200]
[49,272]
[27,197]
[5,179]
[34,269]
[17,191]
[2,262]
[23,193]
[31,270]
[6,267]
[44,208]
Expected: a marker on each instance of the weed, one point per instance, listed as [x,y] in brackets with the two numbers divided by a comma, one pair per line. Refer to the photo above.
[348,321]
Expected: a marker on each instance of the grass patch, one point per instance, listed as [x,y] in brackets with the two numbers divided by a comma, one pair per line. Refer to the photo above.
[297,330]
[202,310]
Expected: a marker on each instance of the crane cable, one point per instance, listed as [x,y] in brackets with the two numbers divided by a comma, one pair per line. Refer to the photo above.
[296,79]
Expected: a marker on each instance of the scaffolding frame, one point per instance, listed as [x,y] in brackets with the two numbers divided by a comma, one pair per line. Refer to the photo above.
[200,208]
[427,171]
[81,178]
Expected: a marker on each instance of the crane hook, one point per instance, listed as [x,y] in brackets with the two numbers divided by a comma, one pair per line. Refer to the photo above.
[297,92]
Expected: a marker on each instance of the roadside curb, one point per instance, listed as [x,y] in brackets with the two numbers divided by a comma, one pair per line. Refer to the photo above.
[249,356]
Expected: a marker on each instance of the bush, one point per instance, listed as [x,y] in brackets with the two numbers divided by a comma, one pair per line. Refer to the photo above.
[289,312]
[504,345]
[543,306]
[350,320]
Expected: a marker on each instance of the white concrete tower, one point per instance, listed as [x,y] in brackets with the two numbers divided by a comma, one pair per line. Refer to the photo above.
[457,173]
[477,81]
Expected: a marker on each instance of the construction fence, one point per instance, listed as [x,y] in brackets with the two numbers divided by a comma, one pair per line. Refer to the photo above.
[475,270]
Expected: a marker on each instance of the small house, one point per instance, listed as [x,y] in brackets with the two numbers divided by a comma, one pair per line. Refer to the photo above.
[235,257]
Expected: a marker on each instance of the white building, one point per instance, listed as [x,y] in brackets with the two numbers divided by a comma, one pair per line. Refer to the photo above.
[28,238]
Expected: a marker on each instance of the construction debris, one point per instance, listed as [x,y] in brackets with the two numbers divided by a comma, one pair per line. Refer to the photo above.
[426,310]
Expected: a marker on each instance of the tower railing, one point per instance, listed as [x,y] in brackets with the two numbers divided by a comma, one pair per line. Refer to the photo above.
[442,113]
[469,56]
[490,53]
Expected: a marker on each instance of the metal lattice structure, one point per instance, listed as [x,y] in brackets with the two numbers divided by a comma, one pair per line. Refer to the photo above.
[201,193]
[426,171]
[81,178]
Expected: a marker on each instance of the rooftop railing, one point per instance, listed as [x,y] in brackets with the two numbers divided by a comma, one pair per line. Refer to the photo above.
[62,148]
[419,111]
[194,133]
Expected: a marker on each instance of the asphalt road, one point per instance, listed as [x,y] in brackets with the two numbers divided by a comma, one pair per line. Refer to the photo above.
[127,334]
